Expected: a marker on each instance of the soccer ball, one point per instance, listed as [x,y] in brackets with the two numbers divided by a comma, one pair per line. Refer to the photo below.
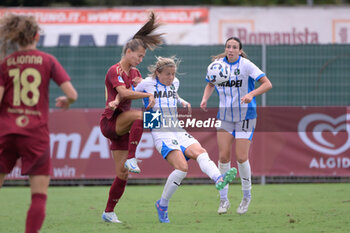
[218,72]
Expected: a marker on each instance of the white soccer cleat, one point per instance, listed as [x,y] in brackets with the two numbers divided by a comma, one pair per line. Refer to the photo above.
[110,217]
[224,206]
[243,206]
[131,165]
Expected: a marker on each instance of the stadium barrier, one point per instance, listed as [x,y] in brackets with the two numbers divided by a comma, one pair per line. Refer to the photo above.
[288,141]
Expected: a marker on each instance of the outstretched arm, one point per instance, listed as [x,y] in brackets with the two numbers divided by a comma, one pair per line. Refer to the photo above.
[133,95]
[70,96]
[208,91]
[264,87]
[2,91]
[114,104]
[184,103]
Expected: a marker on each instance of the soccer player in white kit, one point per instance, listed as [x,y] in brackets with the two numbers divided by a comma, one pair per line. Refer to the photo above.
[174,143]
[237,110]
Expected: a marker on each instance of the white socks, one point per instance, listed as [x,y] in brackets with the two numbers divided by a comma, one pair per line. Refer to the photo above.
[224,167]
[208,166]
[244,173]
[171,185]
[246,178]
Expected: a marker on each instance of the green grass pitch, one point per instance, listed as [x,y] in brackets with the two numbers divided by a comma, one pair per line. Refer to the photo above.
[274,208]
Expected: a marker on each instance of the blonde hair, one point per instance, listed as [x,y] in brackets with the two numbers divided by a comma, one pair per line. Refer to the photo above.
[144,37]
[221,55]
[162,63]
[17,30]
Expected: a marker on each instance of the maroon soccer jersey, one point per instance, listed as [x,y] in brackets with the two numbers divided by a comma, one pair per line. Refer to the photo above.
[26,78]
[117,77]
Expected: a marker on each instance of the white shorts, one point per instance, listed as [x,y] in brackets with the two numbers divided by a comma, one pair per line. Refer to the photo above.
[165,142]
[241,129]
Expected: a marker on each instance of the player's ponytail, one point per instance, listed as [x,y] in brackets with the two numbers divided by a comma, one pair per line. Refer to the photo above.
[221,55]
[144,36]
[16,30]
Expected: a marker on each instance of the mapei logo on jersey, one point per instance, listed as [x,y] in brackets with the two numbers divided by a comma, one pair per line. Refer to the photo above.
[120,79]
[165,94]
[151,120]
[232,83]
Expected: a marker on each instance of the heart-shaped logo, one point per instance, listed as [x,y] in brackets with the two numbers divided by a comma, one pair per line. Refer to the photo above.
[324,146]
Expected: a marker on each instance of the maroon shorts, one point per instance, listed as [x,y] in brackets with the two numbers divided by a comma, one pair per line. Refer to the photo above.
[108,130]
[34,152]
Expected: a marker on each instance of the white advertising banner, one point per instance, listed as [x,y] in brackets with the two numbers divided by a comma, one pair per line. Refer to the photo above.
[280,25]
[192,25]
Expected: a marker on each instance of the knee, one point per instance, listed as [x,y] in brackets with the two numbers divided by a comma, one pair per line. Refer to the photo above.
[182,167]
[201,151]
[139,115]
[225,153]
[194,152]
[123,174]
[241,159]
[225,157]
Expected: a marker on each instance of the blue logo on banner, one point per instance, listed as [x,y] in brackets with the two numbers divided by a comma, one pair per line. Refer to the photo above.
[151,120]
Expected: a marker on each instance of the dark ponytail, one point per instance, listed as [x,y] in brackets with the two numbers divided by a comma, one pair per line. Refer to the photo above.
[144,36]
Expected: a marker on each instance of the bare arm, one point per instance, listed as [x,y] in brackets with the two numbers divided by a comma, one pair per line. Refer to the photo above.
[184,103]
[132,95]
[70,96]
[114,104]
[264,87]
[2,91]
[208,91]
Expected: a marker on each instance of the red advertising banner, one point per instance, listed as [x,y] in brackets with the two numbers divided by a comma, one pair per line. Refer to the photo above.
[111,15]
[288,141]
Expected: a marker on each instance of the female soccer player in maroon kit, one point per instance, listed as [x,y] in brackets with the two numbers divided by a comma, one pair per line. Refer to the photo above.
[24,105]
[120,124]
